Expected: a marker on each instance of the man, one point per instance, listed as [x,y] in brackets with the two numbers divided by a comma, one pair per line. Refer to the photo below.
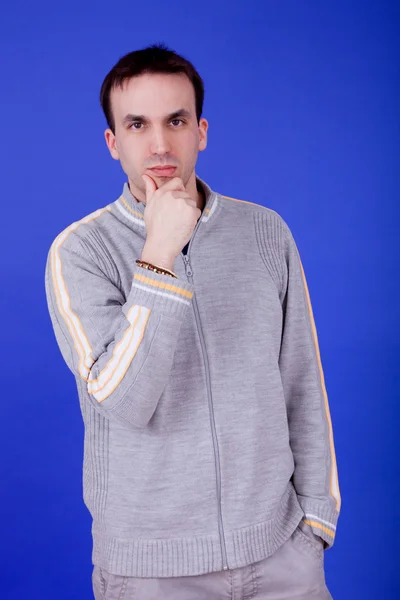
[184,315]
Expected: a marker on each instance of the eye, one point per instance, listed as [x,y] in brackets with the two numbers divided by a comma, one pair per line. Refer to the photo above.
[177,121]
[135,123]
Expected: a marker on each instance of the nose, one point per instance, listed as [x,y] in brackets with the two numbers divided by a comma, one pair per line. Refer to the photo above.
[159,141]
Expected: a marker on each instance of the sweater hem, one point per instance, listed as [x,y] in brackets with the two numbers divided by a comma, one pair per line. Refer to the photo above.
[197,555]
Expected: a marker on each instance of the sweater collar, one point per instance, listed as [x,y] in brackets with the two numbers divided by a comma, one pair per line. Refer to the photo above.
[133,210]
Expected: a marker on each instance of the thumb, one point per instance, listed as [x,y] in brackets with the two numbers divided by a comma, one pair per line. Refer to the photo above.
[150,186]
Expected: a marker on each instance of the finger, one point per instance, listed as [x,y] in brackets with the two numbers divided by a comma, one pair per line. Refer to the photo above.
[150,184]
[179,194]
[175,183]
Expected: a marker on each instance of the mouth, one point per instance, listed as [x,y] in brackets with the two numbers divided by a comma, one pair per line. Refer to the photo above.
[166,171]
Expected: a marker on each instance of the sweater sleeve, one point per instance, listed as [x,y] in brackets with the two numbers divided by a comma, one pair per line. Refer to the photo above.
[122,348]
[315,477]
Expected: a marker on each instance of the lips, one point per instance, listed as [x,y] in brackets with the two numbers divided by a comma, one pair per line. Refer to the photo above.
[163,171]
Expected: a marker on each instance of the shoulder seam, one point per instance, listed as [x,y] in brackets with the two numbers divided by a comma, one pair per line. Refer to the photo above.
[72,228]
[270,239]
[260,206]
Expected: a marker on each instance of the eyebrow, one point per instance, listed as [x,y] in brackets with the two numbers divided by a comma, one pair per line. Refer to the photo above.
[182,112]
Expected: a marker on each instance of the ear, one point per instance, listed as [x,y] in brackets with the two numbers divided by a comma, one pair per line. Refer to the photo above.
[111,143]
[203,126]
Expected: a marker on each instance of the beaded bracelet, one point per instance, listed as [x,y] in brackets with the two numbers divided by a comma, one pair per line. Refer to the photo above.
[150,267]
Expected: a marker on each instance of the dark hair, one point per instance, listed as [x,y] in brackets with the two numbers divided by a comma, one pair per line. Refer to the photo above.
[153,59]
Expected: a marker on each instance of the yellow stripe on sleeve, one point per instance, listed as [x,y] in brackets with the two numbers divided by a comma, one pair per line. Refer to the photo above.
[334,483]
[124,351]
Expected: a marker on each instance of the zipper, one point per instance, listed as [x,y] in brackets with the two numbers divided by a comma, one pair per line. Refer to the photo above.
[189,274]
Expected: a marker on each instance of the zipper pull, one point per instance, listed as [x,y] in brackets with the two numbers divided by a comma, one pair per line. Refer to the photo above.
[188,268]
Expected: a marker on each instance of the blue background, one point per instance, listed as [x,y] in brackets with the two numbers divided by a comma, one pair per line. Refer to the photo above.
[303,105]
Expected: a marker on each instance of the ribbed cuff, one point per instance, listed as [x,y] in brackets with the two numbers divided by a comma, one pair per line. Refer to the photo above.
[160,292]
[322,518]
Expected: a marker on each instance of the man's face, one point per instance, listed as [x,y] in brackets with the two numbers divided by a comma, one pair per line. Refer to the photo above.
[155,124]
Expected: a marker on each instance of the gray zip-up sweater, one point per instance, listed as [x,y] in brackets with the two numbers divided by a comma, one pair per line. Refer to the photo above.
[207,428]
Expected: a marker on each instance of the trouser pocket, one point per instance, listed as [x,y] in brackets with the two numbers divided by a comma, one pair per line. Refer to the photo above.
[309,540]
[107,586]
